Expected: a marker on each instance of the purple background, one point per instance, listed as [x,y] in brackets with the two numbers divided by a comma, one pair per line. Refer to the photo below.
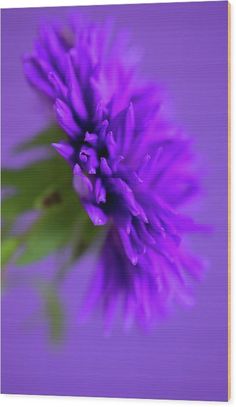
[185,49]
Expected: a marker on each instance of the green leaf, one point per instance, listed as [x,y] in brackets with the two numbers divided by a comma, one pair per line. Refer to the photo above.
[43,172]
[8,248]
[43,139]
[30,182]
[54,313]
[27,183]
[13,206]
[53,230]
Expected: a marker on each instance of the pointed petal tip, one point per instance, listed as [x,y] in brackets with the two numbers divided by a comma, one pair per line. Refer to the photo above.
[55,145]
[134,260]
[105,168]
[131,106]
[76,169]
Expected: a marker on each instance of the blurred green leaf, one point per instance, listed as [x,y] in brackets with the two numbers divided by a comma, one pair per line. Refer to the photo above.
[55,228]
[43,172]
[8,249]
[30,182]
[42,139]
[48,234]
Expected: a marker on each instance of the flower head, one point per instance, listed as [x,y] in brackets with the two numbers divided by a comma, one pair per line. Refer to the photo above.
[131,169]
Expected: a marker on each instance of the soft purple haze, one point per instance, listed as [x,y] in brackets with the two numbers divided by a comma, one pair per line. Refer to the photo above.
[185,48]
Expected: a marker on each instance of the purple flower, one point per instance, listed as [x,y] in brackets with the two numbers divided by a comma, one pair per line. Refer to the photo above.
[131,169]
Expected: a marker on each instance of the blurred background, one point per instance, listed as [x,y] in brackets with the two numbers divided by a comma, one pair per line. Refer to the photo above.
[185,50]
